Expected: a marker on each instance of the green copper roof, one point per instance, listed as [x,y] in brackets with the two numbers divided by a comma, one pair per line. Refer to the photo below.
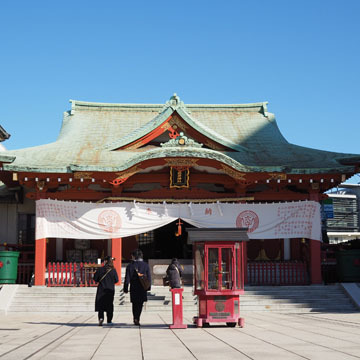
[92,133]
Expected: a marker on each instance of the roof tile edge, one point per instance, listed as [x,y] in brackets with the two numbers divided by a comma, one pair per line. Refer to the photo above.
[75,103]
[101,104]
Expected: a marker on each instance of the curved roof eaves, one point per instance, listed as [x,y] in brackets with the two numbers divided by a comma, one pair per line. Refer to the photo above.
[50,158]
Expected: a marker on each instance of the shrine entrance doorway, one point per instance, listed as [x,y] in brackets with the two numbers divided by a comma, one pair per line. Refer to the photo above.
[166,242]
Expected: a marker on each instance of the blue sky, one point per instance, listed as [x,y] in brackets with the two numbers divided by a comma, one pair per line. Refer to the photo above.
[301,56]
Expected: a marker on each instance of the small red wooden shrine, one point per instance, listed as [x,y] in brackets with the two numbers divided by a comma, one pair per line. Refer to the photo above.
[218,274]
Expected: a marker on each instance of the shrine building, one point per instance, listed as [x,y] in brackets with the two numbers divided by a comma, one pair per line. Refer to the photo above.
[122,176]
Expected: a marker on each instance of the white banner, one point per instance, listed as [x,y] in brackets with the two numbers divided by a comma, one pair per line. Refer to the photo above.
[66,219]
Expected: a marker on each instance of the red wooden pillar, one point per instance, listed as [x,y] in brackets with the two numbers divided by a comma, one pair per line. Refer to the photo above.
[315,261]
[40,261]
[245,259]
[116,253]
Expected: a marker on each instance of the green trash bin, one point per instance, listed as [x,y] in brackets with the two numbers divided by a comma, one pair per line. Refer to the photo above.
[8,266]
[348,265]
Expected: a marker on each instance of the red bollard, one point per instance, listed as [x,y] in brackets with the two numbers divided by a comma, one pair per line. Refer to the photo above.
[177,309]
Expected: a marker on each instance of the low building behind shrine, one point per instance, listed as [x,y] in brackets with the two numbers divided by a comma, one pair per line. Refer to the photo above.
[344,223]
[122,176]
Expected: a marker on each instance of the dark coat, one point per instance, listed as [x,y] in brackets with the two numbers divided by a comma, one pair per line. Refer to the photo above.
[174,274]
[137,292]
[105,292]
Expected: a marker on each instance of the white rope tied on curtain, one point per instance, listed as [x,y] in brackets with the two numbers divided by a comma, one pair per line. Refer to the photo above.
[136,208]
[191,209]
[219,208]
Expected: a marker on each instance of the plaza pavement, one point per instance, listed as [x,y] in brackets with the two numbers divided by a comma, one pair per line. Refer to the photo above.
[266,335]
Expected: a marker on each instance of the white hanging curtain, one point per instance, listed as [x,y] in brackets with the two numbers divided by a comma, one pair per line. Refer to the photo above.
[66,219]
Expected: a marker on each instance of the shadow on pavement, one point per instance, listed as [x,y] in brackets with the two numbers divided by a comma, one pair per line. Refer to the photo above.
[95,324]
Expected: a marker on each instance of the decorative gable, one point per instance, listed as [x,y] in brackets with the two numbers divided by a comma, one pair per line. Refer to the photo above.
[172,120]
[181,141]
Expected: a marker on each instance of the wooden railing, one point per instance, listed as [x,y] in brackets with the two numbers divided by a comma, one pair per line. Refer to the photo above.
[259,273]
[25,272]
[277,273]
[71,274]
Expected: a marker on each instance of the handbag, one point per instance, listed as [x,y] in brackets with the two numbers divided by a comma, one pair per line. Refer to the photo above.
[144,281]
[166,281]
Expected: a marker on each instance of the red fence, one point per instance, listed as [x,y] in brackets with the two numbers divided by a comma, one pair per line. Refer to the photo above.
[259,273]
[71,274]
[277,273]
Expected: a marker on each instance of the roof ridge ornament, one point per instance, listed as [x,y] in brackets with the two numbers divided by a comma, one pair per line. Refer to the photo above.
[174,102]
[181,141]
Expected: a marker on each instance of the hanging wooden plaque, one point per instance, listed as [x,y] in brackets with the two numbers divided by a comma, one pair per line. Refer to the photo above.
[179,177]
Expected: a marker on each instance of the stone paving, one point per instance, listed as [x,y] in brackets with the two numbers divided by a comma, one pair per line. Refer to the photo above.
[266,335]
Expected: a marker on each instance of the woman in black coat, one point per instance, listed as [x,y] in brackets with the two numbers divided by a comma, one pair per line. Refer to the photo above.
[174,274]
[106,277]
[138,295]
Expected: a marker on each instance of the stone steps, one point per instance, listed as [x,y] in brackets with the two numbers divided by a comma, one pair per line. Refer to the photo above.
[313,298]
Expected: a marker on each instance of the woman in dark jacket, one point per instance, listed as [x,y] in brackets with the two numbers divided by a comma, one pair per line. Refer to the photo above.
[138,295]
[174,274]
[106,277]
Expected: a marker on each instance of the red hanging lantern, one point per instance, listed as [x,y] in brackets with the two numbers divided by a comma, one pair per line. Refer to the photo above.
[179,228]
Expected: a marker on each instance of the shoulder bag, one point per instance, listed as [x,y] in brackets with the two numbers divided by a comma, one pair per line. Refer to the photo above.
[103,277]
[144,281]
